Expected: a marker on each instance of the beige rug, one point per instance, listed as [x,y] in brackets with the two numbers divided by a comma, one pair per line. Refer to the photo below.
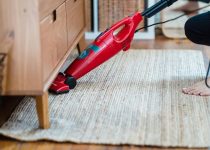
[135,98]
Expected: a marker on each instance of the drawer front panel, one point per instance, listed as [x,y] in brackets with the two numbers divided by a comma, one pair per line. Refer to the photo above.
[47,6]
[75,19]
[53,39]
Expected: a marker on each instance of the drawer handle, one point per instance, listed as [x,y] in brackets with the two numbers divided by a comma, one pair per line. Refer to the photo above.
[54,15]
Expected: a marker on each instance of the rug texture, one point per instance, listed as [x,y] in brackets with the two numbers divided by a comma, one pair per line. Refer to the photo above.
[135,98]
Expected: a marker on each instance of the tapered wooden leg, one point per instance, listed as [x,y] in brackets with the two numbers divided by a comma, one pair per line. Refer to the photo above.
[82,44]
[42,110]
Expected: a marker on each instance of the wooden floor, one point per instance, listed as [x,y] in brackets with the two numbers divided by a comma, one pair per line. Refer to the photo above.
[6,108]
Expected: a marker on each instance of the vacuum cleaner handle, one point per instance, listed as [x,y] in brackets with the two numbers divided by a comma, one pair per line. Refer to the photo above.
[123,30]
[151,11]
[120,35]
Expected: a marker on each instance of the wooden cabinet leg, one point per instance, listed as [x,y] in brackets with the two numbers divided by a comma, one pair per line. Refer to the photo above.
[42,110]
[82,44]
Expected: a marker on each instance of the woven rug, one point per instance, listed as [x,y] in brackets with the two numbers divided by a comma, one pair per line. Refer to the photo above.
[135,98]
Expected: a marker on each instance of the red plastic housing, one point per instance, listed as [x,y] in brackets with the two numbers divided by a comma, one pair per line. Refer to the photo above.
[106,45]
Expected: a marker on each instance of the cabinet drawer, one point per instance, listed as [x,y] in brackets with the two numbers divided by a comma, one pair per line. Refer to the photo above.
[47,6]
[75,19]
[53,39]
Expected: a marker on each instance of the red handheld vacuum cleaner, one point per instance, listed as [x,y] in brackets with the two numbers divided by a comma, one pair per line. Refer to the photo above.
[107,44]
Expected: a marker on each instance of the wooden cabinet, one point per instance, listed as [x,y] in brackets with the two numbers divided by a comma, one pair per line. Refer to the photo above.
[75,19]
[53,40]
[48,6]
[44,34]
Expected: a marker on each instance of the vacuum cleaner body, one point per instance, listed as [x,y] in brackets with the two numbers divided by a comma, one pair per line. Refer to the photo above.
[106,45]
